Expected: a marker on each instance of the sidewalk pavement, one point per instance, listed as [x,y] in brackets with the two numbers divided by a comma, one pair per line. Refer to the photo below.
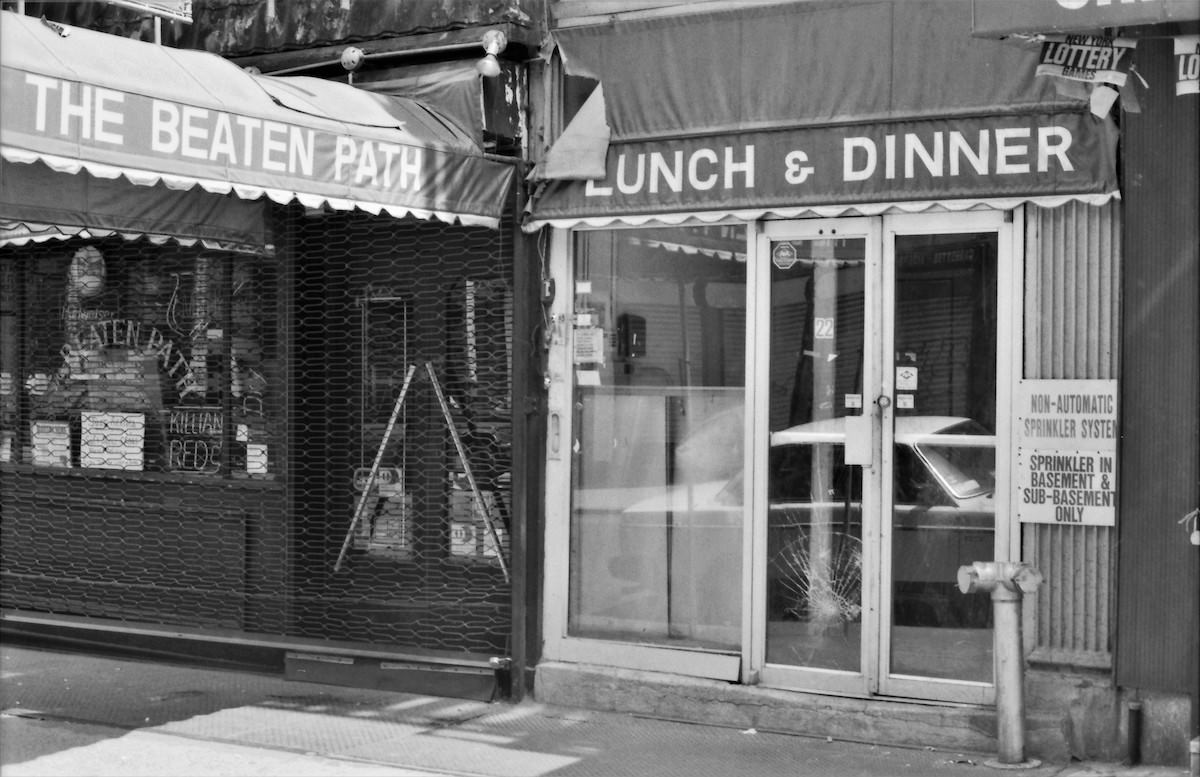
[69,714]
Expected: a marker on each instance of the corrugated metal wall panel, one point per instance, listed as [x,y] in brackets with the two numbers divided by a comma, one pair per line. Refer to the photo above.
[1072,299]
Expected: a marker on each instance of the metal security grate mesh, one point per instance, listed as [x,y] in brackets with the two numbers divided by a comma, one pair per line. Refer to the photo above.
[314,443]
[415,318]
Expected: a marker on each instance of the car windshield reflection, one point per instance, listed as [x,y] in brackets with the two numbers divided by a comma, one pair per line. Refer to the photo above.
[942,461]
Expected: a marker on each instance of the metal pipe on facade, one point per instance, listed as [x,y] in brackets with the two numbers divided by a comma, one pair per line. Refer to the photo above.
[1133,733]
[1194,744]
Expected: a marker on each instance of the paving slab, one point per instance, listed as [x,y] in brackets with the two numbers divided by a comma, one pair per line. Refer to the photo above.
[68,714]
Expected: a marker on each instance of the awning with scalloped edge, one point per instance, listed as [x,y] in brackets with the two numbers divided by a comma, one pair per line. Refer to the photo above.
[38,204]
[79,100]
[827,108]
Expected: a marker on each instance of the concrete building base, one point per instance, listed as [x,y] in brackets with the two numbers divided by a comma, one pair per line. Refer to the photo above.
[1067,717]
[1087,718]
[665,696]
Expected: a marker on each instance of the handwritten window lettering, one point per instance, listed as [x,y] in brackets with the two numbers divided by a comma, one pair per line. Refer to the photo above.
[194,438]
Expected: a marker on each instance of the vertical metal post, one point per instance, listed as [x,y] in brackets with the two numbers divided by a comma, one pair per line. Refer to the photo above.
[1008,582]
[1010,674]
[524,463]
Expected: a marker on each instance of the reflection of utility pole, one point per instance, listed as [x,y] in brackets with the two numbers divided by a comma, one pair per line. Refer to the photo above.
[823,608]
[685,362]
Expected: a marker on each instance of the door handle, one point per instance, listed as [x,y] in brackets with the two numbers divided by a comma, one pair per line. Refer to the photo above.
[554,440]
[884,401]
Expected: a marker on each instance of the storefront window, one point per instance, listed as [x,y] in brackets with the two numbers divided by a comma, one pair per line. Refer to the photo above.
[139,358]
[659,356]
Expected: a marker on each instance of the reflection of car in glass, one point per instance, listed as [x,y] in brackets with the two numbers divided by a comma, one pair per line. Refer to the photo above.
[943,514]
[943,517]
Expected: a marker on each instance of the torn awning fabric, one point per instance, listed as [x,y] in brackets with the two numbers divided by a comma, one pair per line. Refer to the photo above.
[819,108]
[78,100]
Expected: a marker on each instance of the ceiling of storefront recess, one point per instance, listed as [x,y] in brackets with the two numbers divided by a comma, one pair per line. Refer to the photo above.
[236,28]
[572,13]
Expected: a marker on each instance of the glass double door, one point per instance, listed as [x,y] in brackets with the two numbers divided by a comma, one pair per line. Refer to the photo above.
[879,418]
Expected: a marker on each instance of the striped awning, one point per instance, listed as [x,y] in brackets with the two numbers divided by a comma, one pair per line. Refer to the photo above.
[81,101]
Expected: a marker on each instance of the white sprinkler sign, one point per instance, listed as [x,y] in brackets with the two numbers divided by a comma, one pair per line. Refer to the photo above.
[1066,446]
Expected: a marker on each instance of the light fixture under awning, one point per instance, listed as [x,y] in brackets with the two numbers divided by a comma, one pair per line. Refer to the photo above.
[830,108]
[122,108]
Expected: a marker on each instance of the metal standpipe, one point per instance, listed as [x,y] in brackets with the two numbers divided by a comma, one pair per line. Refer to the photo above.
[1007,582]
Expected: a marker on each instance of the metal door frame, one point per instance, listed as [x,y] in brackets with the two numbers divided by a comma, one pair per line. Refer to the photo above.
[755,563]
[878,381]
[558,644]
[1006,259]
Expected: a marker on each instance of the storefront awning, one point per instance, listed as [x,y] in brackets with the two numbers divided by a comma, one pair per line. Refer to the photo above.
[818,108]
[453,89]
[994,18]
[78,100]
[38,204]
